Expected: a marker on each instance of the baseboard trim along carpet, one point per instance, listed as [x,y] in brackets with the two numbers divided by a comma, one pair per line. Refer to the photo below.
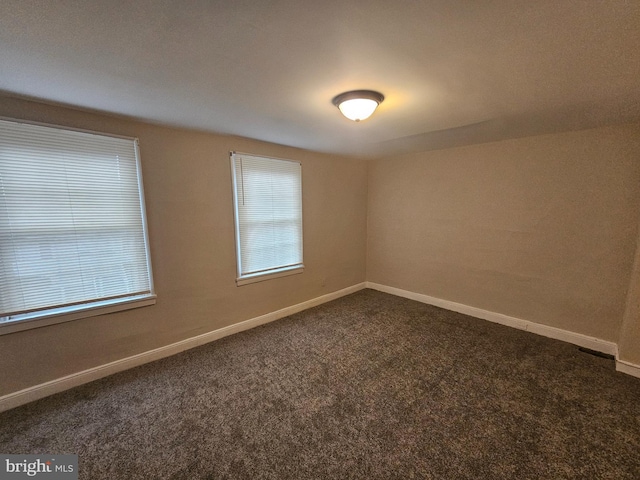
[628,368]
[544,330]
[42,390]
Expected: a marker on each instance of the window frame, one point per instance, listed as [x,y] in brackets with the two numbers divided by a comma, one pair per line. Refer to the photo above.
[282,271]
[60,314]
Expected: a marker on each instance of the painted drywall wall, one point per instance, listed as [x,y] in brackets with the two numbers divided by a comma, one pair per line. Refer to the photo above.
[187,183]
[629,343]
[541,228]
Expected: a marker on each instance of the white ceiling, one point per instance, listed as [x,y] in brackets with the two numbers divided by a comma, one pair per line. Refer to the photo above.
[453,72]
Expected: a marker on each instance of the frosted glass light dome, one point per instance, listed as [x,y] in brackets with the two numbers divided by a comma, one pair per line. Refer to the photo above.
[358,104]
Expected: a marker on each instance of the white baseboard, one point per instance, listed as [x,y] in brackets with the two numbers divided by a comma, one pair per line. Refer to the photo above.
[36,392]
[579,339]
[628,368]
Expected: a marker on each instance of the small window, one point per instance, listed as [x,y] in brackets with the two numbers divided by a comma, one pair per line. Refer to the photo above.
[73,240]
[267,197]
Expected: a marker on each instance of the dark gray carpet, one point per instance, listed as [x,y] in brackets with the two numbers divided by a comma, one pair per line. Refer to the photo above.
[370,386]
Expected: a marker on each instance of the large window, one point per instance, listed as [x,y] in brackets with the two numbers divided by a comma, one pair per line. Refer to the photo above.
[73,239]
[268,214]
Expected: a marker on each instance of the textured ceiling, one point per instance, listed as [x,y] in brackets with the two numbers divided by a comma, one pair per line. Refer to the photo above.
[453,72]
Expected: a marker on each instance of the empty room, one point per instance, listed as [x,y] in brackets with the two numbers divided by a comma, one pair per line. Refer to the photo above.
[320,240]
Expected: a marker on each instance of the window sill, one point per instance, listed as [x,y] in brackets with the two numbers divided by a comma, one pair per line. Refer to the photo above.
[261,277]
[67,314]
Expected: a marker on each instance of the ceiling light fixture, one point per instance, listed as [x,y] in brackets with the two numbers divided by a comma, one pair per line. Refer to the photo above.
[358,104]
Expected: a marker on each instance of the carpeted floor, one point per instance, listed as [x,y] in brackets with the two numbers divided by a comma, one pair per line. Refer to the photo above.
[370,386]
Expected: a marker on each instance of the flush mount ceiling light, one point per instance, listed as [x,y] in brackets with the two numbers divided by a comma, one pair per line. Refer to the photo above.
[358,104]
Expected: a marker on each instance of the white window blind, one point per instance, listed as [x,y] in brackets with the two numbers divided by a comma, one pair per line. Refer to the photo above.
[72,222]
[268,214]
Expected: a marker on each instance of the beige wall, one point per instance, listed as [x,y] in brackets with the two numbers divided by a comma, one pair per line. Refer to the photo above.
[187,184]
[542,228]
[629,345]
